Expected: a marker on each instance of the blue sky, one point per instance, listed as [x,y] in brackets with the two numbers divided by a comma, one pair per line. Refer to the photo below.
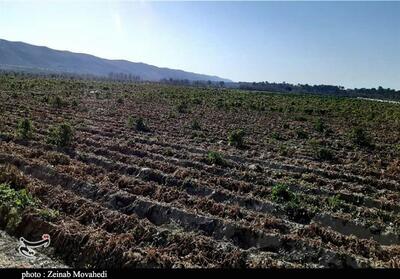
[354,44]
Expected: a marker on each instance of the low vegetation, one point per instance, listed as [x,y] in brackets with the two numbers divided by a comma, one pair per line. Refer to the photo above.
[137,124]
[182,107]
[359,137]
[320,125]
[236,138]
[225,178]
[24,129]
[282,194]
[57,102]
[60,135]
[11,176]
[335,202]
[322,153]
[13,203]
[301,134]
[195,125]
[215,158]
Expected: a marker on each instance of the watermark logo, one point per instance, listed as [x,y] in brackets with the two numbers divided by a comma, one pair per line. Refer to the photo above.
[26,247]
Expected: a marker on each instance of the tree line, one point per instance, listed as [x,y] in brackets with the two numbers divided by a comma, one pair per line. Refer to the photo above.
[330,90]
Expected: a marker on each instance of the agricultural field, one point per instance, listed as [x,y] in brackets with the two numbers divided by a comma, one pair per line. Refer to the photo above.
[152,175]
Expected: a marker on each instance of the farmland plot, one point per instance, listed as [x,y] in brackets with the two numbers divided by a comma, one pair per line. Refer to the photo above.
[148,175]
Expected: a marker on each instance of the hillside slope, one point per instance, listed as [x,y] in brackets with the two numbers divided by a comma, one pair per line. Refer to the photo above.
[23,56]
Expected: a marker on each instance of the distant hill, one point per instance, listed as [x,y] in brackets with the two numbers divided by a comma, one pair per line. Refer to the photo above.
[23,56]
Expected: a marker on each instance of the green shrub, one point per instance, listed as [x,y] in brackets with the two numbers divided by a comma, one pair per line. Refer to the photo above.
[359,137]
[276,136]
[49,214]
[168,152]
[298,213]
[182,107]
[236,138]
[13,203]
[195,125]
[319,125]
[308,111]
[56,102]
[130,122]
[282,194]
[301,134]
[45,99]
[397,148]
[300,118]
[137,124]
[60,135]
[215,158]
[171,115]
[283,151]
[55,158]
[140,125]
[322,153]
[15,198]
[12,176]
[335,202]
[24,129]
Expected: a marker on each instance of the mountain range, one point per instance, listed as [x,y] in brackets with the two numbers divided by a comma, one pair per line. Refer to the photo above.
[21,56]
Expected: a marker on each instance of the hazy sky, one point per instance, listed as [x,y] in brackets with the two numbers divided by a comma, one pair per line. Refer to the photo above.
[355,44]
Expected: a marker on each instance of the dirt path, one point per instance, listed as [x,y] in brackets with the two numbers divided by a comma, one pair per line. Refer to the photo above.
[379,100]
[10,258]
